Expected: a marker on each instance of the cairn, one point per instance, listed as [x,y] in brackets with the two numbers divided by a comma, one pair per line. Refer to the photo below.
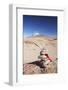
[43,58]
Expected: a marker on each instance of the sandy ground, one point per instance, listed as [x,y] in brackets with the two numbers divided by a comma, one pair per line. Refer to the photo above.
[32,51]
[32,48]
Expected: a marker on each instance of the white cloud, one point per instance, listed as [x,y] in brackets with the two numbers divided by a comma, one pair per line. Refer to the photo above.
[36,34]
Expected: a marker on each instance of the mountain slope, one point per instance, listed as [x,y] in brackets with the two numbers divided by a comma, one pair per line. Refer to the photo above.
[34,44]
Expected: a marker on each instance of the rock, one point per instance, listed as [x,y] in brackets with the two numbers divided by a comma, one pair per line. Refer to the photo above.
[52,67]
[35,69]
[31,69]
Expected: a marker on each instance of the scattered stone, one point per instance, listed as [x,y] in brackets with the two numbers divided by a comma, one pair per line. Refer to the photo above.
[32,68]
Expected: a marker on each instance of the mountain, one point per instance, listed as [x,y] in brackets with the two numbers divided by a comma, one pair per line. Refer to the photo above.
[32,47]
[41,36]
[34,44]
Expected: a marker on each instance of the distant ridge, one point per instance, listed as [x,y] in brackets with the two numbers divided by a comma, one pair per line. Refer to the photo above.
[41,36]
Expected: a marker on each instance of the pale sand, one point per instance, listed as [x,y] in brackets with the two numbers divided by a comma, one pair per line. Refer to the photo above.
[32,51]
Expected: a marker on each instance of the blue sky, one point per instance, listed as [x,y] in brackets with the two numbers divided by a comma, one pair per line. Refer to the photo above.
[45,25]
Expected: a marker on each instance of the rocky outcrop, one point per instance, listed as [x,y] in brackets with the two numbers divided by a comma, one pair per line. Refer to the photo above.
[35,68]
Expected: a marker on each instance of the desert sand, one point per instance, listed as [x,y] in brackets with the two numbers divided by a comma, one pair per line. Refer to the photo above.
[32,48]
